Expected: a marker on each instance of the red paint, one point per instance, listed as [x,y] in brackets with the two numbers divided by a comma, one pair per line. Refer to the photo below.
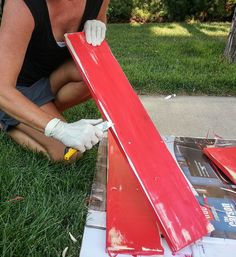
[110,255]
[179,215]
[128,211]
[225,159]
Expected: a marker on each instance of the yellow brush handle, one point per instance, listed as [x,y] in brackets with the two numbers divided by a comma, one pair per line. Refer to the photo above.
[103,126]
[68,155]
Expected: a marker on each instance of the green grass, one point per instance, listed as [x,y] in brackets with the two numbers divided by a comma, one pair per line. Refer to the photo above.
[176,58]
[55,197]
[158,59]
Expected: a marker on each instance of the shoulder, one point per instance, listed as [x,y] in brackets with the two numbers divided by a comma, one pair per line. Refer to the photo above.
[35,8]
[16,29]
[16,13]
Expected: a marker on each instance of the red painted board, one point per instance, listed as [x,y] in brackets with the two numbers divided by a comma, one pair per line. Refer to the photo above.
[225,159]
[178,213]
[131,222]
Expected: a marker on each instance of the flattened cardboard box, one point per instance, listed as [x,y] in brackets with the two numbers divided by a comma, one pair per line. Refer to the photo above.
[214,192]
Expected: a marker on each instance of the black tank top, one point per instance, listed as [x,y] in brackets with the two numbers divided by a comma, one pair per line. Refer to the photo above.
[43,54]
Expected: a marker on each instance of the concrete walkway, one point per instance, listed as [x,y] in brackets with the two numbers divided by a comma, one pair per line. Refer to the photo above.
[193,115]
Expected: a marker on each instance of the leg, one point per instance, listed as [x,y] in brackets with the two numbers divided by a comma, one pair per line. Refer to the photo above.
[23,139]
[68,87]
[36,141]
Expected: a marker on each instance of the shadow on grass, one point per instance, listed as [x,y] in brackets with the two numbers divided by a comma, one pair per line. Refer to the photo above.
[194,30]
[212,28]
[191,29]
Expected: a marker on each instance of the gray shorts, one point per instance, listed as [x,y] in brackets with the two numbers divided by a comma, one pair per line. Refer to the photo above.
[39,93]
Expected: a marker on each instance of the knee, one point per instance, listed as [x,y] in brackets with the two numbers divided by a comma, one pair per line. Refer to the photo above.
[55,152]
[55,156]
[79,89]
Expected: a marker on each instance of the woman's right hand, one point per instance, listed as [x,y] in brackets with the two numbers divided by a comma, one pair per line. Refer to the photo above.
[81,135]
[95,32]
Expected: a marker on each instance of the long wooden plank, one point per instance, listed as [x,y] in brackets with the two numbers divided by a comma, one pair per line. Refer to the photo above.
[224,158]
[179,215]
[131,222]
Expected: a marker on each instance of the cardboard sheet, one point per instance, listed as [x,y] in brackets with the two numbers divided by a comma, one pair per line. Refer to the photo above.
[187,152]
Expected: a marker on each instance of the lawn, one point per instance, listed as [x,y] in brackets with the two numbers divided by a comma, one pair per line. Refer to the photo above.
[176,58]
[52,198]
[158,59]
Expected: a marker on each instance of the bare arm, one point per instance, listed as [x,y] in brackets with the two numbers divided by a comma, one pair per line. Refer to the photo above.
[15,32]
[102,15]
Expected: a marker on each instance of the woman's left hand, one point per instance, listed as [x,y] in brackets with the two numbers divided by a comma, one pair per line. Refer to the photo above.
[95,32]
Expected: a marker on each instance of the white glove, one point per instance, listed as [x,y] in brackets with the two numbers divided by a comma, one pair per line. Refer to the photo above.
[81,135]
[95,32]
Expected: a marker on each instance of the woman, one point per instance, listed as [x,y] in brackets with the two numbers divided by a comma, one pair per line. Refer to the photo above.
[39,79]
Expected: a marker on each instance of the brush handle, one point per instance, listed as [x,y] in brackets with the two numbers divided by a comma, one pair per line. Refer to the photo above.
[103,126]
[69,154]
